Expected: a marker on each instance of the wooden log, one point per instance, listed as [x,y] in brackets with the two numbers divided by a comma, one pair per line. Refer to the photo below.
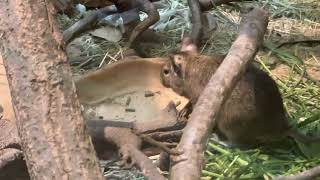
[53,136]
[8,130]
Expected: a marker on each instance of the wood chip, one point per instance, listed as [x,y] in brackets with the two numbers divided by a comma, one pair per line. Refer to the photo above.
[148,94]
[128,101]
[130,110]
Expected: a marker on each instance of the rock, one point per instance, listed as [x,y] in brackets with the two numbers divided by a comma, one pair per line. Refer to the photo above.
[81,8]
[209,24]
[108,33]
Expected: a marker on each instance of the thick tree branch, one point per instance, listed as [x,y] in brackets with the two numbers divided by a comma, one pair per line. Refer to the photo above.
[52,131]
[87,22]
[128,10]
[153,16]
[188,165]
[196,21]
[129,148]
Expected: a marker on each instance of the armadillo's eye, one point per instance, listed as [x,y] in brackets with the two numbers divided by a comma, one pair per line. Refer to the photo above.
[166,72]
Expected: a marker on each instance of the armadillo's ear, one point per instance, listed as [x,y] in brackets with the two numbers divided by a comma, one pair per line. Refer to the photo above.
[188,46]
[178,64]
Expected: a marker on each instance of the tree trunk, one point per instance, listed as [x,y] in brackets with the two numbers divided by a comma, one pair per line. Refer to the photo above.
[53,136]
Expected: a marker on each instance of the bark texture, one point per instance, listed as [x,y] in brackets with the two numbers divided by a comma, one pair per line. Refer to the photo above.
[52,131]
[8,132]
[188,165]
[129,149]
[11,156]
[196,21]
[87,22]
[63,5]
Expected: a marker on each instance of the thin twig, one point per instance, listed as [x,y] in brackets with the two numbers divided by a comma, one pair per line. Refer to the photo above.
[85,63]
[159,136]
[157,144]
[301,77]
[87,22]
[103,59]
[153,17]
[112,58]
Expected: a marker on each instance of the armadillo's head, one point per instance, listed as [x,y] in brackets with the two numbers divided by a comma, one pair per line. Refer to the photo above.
[173,72]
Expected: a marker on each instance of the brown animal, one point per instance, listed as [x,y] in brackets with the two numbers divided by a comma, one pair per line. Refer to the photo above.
[252,115]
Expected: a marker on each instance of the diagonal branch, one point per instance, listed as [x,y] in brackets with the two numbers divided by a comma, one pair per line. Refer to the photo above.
[87,22]
[189,164]
[129,148]
[196,20]
[153,17]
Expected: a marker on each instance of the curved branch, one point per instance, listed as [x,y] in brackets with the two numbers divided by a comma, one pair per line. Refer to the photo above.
[153,17]
[87,22]
[196,21]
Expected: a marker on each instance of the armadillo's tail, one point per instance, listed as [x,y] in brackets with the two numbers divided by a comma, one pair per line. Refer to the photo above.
[302,137]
